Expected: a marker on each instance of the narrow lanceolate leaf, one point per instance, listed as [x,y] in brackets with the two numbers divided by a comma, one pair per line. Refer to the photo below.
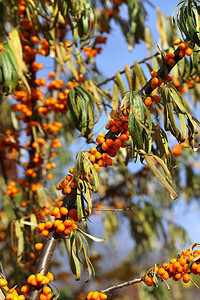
[136,118]
[83,110]
[158,175]
[20,240]
[120,83]
[90,236]
[139,73]
[129,76]
[164,167]
[74,261]
[80,206]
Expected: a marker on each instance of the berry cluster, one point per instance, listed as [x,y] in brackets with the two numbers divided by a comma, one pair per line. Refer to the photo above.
[186,263]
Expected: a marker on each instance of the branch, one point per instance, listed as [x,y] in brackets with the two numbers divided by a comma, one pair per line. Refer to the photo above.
[123,71]
[121,285]
[43,262]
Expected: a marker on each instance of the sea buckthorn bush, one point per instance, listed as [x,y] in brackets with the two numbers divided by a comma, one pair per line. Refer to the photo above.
[85,159]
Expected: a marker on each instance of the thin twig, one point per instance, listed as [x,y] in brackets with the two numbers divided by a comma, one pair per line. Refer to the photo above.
[123,71]
[121,285]
[113,209]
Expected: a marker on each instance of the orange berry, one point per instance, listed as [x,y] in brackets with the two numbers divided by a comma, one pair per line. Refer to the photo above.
[97,155]
[25,289]
[181,53]
[74,227]
[183,46]
[89,296]
[105,146]
[21,297]
[38,246]
[154,81]
[171,62]
[182,260]
[109,142]
[124,137]
[68,223]
[161,271]
[63,211]
[66,190]
[165,266]
[188,51]
[69,177]
[50,276]
[45,280]
[186,278]
[177,276]
[170,55]
[67,231]
[39,277]
[24,204]
[71,170]
[3,282]
[154,74]
[148,280]
[46,290]
[48,225]
[173,260]
[185,268]
[165,276]
[114,129]
[179,269]
[60,228]
[34,282]
[95,295]
[100,140]
[45,232]
[96,167]
[40,227]
[93,150]
[30,278]
[194,267]
[103,296]
[9,297]
[176,264]
[43,296]
[198,269]
[55,211]
[177,42]
[148,101]
[56,223]
[92,157]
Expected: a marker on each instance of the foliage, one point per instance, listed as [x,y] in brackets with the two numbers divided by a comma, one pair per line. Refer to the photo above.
[135,167]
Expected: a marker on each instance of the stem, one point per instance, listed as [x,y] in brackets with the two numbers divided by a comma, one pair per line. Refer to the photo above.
[44,260]
[121,285]
[123,71]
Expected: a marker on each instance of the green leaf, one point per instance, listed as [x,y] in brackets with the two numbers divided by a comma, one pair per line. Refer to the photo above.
[120,83]
[90,236]
[139,73]
[158,175]
[20,240]
[82,109]
[136,118]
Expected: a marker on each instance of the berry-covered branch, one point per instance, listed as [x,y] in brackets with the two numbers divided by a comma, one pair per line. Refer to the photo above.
[109,144]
